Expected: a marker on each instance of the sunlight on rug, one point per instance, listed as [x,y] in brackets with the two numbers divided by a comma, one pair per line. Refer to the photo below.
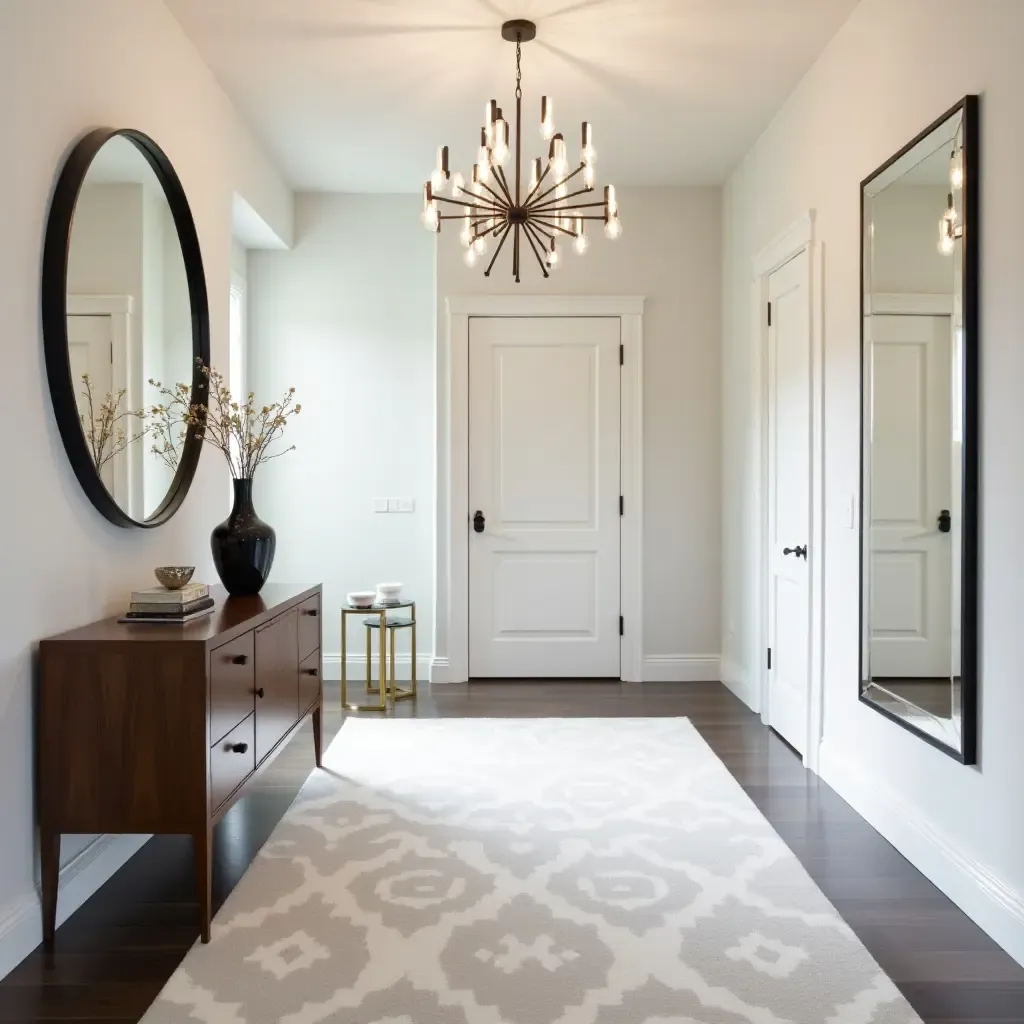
[552,871]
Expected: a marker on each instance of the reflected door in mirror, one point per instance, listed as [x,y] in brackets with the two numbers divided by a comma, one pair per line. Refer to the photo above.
[918,440]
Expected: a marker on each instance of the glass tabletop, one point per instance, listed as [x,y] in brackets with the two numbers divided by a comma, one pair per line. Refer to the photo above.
[379,606]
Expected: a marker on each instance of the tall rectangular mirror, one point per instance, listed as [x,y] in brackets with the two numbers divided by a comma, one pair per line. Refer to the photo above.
[919,434]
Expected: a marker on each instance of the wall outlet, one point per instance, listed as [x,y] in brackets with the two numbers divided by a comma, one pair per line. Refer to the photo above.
[380,504]
[392,504]
[406,504]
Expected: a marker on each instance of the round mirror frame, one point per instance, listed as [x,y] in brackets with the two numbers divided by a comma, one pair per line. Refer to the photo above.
[55,331]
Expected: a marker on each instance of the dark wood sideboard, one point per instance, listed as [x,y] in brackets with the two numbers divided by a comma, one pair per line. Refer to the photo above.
[158,728]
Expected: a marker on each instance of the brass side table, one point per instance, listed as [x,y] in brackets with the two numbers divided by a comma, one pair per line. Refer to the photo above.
[388,628]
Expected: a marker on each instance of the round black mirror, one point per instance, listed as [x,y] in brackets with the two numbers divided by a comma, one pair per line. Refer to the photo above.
[126,327]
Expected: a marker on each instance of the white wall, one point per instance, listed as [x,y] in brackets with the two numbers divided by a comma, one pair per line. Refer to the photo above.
[905,243]
[964,827]
[65,67]
[347,318]
[669,252]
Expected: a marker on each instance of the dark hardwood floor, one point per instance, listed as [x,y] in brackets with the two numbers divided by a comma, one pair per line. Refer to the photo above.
[113,956]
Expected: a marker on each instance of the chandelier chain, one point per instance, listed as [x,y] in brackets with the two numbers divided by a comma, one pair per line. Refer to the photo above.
[519,73]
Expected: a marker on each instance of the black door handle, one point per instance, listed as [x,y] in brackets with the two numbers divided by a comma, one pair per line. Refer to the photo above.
[238,748]
[945,521]
[479,521]
[800,551]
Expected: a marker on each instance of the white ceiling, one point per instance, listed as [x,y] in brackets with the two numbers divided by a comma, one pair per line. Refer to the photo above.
[356,95]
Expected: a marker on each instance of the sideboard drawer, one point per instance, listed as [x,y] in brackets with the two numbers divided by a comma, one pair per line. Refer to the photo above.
[231,760]
[309,627]
[232,686]
[309,681]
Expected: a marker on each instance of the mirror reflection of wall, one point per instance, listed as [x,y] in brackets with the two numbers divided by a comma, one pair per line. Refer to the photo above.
[129,322]
[913,482]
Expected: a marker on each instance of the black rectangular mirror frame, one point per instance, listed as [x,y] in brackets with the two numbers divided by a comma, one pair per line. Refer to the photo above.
[968,752]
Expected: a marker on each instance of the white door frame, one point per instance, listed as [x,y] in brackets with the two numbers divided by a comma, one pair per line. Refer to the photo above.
[797,238]
[451,643]
[125,361]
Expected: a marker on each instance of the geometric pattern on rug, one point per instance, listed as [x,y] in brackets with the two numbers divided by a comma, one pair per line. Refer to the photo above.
[544,871]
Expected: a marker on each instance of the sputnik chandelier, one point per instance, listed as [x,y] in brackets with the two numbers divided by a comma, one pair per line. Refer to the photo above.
[541,211]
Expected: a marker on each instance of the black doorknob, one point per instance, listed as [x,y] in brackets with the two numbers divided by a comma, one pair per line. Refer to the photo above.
[800,551]
[239,748]
[479,521]
[945,521]
[259,691]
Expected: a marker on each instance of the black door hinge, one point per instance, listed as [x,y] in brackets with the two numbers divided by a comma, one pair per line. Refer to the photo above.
[769,659]
[769,314]
[622,626]
[622,355]
[622,505]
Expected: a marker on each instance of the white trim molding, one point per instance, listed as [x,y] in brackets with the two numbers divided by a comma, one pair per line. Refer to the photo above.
[681,668]
[451,640]
[797,238]
[21,921]
[907,304]
[993,905]
[357,666]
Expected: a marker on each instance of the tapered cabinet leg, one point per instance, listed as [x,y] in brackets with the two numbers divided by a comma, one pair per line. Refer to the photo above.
[318,734]
[49,862]
[203,844]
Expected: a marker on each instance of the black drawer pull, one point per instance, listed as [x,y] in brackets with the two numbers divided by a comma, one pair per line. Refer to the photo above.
[239,659]
[311,611]
[259,692]
[311,671]
[238,748]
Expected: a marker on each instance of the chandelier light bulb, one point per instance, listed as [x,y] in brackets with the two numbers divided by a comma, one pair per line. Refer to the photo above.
[558,157]
[956,169]
[580,243]
[587,152]
[547,118]
[533,209]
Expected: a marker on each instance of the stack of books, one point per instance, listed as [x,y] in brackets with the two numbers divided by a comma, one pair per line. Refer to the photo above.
[158,604]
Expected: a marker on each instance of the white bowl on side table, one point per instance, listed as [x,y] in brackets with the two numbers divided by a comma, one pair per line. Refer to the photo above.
[389,593]
[360,598]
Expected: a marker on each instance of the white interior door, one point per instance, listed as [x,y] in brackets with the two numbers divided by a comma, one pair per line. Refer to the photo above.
[910,570]
[789,461]
[90,351]
[544,474]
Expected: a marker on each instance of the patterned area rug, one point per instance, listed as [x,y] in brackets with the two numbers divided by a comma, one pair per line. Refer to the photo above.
[552,871]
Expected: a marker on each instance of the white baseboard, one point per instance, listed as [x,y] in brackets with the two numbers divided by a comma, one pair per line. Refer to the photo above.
[680,668]
[21,925]
[992,904]
[735,678]
[439,671]
[357,666]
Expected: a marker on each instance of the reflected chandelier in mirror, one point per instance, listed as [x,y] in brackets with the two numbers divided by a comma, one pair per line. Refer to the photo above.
[919,435]
[124,306]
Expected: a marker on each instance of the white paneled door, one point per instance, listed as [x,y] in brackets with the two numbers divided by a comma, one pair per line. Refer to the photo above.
[89,352]
[544,497]
[910,572]
[789,462]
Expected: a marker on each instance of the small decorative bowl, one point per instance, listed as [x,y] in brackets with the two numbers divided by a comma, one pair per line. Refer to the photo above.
[174,577]
[388,593]
[360,598]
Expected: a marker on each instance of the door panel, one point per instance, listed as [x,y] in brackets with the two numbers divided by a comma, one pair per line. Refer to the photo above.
[789,454]
[910,570]
[277,673]
[544,471]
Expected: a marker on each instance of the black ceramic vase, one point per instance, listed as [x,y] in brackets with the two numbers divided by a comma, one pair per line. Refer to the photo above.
[243,545]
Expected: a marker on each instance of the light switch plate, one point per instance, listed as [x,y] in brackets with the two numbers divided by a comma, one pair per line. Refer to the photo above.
[392,504]
[406,504]
[380,504]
